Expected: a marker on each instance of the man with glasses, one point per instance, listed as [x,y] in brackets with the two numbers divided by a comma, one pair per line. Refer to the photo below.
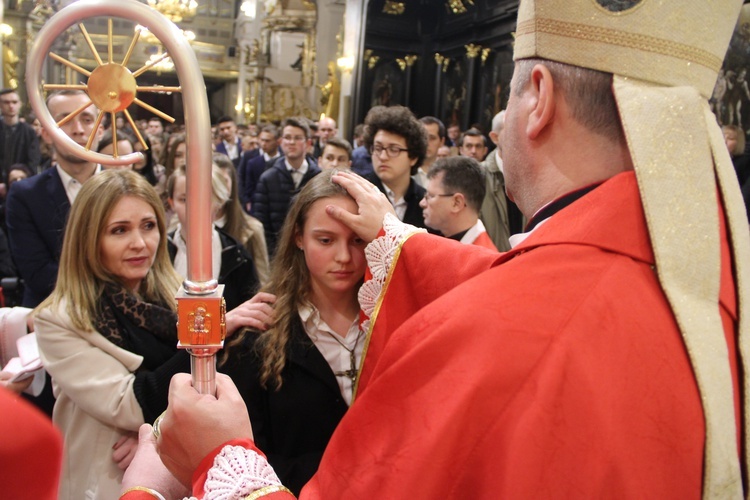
[397,142]
[454,194]
[283,180]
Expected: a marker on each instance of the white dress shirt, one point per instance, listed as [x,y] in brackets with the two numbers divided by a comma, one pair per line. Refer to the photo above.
[297,173]
[71,185]
[329,343]
[398,205]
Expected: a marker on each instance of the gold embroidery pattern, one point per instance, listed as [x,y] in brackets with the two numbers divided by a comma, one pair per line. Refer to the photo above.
[266,491]
[621,38]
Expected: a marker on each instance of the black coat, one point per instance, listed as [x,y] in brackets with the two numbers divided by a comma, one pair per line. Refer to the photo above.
[24,147]
[251,168]
[293,425]
[237,272]
[274,194]
[36,211]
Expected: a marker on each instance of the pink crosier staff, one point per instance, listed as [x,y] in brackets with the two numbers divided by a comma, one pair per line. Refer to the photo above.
[112,87]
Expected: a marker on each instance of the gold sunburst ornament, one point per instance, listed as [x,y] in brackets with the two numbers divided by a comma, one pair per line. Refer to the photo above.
[112,87]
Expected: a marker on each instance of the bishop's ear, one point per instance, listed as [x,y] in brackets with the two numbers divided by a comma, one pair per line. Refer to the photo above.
[541,87]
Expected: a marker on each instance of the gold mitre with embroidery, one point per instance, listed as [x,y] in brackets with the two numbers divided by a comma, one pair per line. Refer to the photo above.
[672,43]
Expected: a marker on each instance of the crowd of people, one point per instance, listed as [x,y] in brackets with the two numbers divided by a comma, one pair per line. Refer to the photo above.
[412,314]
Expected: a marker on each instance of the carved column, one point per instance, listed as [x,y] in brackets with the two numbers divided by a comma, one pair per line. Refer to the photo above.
[406,65]
[472,52]
[437,105]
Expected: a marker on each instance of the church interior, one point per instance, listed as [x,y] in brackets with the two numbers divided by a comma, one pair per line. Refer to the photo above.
[266,60]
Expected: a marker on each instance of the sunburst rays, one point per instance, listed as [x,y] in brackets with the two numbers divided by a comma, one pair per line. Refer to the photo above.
[112,87]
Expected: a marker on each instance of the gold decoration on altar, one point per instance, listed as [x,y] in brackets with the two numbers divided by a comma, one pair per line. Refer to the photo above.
[283,101]
[439,58]
[472,50]
[401,63]
[458,7]
[330,93]
[410,59]
[393,8]
[175,10]
[485,54]
[10,64]
[446,62]
[372,61]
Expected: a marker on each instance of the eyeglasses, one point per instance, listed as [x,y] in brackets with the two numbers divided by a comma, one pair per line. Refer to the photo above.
[428,196]
[392,150]
[295,138]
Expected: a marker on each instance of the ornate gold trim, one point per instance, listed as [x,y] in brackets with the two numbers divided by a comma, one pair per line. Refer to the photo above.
[267,490]
[446,63]
[622,38]
[473,50]
[485,54]
[393,8]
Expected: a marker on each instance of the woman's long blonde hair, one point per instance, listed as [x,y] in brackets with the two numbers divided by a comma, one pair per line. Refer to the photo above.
[290,279]
[82,277]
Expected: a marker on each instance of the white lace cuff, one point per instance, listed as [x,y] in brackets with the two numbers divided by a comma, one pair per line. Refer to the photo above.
[380,254]
[237,473]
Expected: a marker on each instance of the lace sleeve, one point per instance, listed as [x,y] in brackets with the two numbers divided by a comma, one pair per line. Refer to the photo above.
[381,254]
[239,473]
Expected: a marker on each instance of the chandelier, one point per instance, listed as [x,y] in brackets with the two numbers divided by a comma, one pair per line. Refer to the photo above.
[175,10]
[150,38]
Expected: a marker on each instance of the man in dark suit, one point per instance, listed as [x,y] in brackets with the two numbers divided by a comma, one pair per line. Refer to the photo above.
[37,208]
[252,164]
[231,144]
[18,140]
[326,129]
[280,183]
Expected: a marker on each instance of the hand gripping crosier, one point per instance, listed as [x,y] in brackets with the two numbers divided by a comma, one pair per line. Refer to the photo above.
[112,87]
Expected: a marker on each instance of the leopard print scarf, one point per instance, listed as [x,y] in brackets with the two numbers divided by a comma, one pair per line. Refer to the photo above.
[155,318]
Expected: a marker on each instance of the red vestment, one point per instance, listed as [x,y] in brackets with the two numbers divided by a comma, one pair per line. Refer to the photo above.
[553,370]
[30,451]
[559,372]
[483,240]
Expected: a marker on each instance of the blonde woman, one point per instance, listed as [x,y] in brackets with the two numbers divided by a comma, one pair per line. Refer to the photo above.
[107,334]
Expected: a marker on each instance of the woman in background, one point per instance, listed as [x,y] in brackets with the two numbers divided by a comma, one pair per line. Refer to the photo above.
[232,265]
[241,226]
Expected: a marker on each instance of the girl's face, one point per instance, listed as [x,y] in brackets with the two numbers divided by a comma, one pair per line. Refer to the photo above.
[180,155]
[334,254]
[178,199]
